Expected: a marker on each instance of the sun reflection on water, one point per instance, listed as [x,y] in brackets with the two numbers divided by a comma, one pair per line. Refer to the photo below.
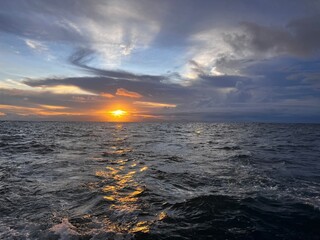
[122,191]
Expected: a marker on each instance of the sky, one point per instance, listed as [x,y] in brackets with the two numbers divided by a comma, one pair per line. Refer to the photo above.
[168,60]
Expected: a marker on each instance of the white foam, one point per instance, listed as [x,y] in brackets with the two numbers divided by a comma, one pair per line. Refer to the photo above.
[65,229]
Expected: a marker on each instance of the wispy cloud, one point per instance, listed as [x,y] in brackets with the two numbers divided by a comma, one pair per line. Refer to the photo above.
[64,89]
[126,93]
[40,111]
[106,95]
[154,104]
[36,45]
[52,107]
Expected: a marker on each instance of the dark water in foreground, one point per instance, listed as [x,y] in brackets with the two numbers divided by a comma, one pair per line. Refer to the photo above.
[159,181]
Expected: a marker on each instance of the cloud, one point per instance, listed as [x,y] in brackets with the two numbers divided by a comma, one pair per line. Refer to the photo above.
[264,81]
[38,111]
[36,45]
[155,90]
[64,89]
[82,57]
[126,93]
[229,97]
[56,89]
[300,37]
[224,81]
[154,104]
[52,107]
[11,84]
[106,95]
[83,24]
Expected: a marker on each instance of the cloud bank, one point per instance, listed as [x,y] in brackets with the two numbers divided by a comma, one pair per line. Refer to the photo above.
[176,60]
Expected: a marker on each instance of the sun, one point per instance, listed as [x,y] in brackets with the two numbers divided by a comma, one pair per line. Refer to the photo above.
[118,113]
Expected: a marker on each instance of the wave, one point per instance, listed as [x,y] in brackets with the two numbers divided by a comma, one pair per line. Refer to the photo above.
[225,217]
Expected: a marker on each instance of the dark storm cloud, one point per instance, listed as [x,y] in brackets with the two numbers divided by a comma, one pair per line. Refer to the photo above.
[180,19]
[153,90]
[224,81]
[299,37]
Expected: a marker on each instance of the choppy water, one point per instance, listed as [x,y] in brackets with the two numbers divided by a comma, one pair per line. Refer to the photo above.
[159,181]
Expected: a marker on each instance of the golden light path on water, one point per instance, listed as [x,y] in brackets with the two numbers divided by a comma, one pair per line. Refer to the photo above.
[122,192]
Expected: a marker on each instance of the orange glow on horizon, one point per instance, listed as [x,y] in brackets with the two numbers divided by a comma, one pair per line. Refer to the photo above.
[119,115]
[125,113]
[119,112]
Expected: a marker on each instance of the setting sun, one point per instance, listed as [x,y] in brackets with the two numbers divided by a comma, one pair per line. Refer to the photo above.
[118,113]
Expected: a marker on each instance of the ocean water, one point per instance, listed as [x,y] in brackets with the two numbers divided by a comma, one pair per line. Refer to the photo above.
[159,181]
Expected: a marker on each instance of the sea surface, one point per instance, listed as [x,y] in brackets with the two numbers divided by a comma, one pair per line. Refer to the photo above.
[62,180]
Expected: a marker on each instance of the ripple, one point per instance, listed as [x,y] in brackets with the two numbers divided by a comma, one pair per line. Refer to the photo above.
[159,181]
